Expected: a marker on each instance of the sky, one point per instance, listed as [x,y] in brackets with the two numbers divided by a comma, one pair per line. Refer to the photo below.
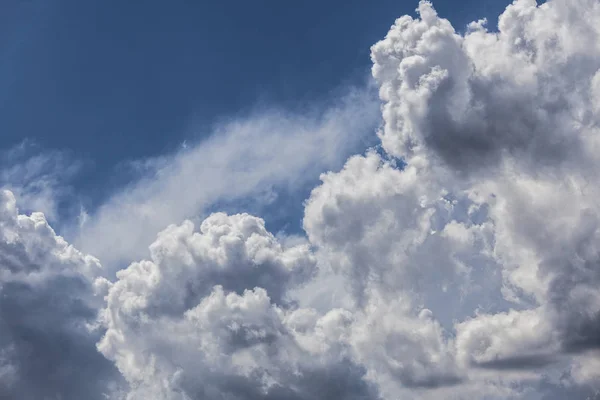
[299,200]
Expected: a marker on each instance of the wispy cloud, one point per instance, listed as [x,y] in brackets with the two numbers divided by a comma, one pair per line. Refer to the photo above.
[40,179]
[242,157]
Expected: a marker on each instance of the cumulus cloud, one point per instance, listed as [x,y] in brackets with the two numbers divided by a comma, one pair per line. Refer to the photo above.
[206,317]
[507,119]
[471,100]
[388,232]
[47,311]
[462,261]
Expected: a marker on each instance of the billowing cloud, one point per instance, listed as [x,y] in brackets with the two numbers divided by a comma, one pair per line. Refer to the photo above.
[472,100]
[507,119]
[207,317]
[47,313]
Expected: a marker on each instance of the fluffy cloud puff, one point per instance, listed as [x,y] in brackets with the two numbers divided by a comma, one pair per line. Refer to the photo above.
[509,118]
[389,233]
[471,100]
[208,317]
[415,259]
[47,308]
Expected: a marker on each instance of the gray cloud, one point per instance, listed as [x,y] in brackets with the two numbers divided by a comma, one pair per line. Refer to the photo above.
[198,312]
[472,100]
[47,350]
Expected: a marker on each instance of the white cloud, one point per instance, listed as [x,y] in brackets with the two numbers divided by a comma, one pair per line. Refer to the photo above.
[509,340]
[507,119]
[242,158]
[386,231]
[196,320]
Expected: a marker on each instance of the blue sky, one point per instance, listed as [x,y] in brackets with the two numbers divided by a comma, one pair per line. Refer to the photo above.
[110,81]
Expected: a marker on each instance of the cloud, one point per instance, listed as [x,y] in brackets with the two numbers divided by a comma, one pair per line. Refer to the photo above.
[510,340]
[38,179]
[207,317]
[414,260]
[507,121]
[386,230]
[47,308]
[471,100]
[242,158]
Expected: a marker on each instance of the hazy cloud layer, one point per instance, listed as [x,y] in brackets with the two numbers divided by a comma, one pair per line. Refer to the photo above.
[469,269]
